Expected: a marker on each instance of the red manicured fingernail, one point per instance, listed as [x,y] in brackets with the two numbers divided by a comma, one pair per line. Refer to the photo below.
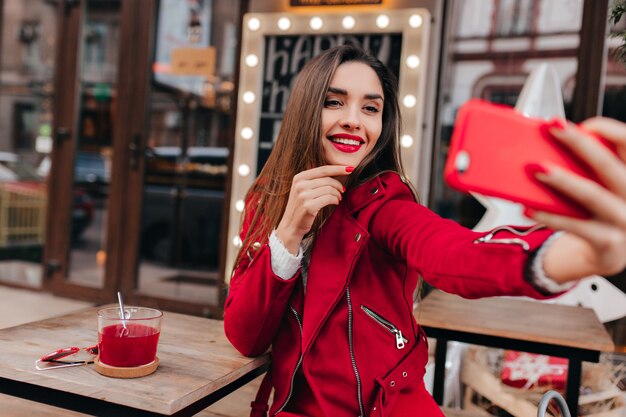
[344,188]
[557,124]
[534,169]
[548,128]
[528,212]
[349,169]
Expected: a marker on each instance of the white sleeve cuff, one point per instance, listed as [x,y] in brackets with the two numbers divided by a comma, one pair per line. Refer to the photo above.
[539,277]
[284,264]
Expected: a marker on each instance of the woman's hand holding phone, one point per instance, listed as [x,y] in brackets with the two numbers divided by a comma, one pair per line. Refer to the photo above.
[496,151]
[570,178]
[596,245]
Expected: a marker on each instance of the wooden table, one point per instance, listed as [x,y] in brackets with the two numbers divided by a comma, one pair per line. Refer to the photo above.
[197,367]
[574,333]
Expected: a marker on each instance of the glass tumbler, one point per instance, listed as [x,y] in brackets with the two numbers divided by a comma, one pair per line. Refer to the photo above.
[130,341]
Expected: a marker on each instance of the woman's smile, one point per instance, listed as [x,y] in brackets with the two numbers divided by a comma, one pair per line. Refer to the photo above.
[345,142]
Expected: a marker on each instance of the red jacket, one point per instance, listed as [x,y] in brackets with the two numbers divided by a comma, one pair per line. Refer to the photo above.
[351,347]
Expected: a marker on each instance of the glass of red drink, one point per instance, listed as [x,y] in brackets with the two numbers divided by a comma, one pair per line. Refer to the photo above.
[130,341]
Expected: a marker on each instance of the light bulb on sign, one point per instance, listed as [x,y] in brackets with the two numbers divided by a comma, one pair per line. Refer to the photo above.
[247,133]
[249,97]
[409,101]
[284,23]
[254,24]
[406,141]
[244,170]
[252,60]
[237,242]
[382,21]
[415,21]
[316,23]
[413,61]
[348,22]
[240,205]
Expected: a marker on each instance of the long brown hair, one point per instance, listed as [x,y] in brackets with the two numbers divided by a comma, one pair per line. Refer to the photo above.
[298,146]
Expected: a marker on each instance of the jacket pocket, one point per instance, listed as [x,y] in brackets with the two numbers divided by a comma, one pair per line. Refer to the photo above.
[405,378]
[386,325]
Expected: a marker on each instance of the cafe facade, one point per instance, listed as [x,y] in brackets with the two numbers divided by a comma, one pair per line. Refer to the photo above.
[143,122]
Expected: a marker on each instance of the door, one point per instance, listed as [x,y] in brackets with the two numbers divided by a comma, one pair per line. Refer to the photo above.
[179,158]
[83,150]
[148,144]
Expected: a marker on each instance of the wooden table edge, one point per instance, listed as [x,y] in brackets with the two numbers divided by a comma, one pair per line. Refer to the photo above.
[606,345]
[257,363]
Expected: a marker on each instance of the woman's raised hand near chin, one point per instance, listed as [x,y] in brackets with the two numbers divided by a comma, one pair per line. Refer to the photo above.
[596,245]
[311,191]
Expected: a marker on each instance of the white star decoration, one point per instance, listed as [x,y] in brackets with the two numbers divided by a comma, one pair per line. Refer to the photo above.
[541,97]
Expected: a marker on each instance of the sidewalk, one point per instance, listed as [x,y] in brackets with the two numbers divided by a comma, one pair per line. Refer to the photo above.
[19,306]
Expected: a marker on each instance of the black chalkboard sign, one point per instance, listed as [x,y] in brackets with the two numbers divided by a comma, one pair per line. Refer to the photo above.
[284,58]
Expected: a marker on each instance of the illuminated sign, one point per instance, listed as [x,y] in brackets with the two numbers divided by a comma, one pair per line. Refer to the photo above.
[193,61]
[274,48]
[332,2]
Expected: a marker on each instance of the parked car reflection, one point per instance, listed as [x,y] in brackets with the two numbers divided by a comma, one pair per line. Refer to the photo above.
[91,172]
[182,207]
[182,202]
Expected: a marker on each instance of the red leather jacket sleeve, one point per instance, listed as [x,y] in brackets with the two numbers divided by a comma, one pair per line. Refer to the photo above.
[446,254]
[256,303]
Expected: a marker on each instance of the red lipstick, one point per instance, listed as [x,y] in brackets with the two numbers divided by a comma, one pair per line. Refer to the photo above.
[346,147]
[347,136]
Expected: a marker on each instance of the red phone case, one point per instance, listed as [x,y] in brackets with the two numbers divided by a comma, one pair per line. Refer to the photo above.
[491,149]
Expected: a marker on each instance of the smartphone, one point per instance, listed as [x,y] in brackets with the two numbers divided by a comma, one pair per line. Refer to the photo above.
[490,152]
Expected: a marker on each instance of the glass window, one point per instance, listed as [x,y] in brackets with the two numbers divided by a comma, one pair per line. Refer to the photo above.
[614,103]
[27,41]
[515,17]
[190,118]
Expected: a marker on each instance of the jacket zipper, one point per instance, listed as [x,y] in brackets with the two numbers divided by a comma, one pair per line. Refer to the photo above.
[352,358]
[488,238]
[293,375]
[401,341]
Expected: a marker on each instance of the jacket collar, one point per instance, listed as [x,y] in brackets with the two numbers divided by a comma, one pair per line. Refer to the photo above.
[364,194]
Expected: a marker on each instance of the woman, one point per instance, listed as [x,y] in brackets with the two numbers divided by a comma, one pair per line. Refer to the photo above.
[333,242]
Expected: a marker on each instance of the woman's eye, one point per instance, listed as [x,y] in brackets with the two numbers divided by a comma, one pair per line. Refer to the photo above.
[332,103]
[372,109]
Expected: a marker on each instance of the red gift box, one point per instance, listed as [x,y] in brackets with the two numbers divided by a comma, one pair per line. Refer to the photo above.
[526,370]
